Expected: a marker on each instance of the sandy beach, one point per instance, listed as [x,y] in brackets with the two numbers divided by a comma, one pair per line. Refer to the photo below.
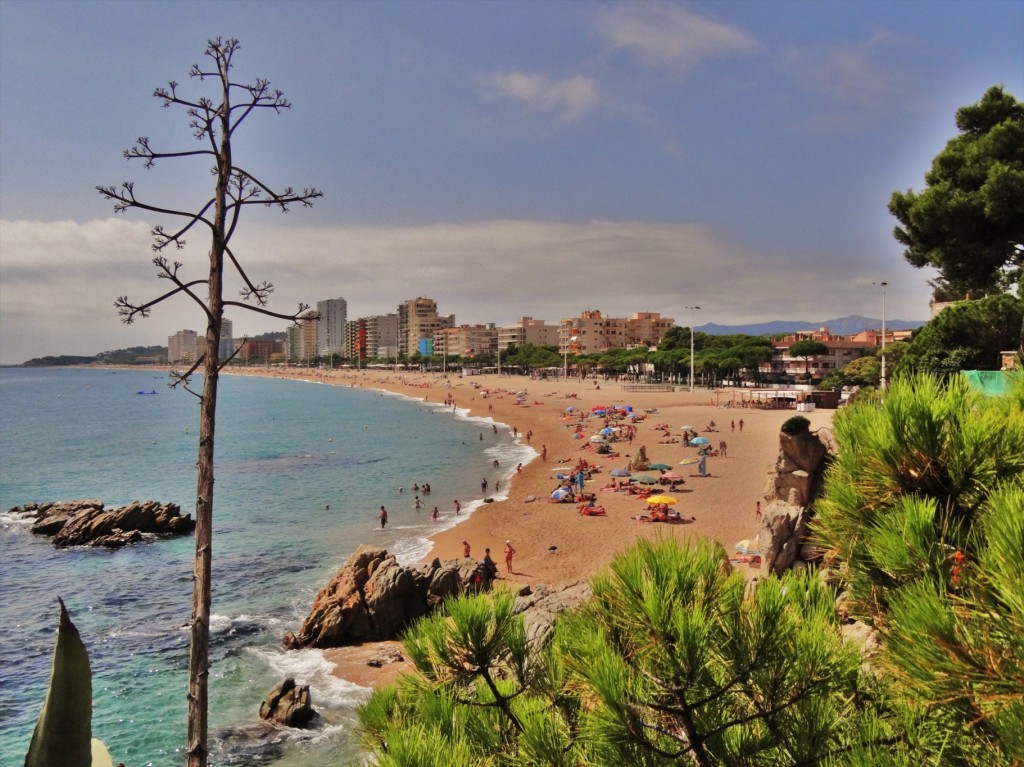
[554,544]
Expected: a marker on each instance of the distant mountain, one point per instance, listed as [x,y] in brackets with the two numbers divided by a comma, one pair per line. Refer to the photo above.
[842,326]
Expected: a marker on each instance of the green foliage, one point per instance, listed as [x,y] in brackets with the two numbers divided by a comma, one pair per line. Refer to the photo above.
[969,219]
[966,336]
[674,661]
[63,733]
[924,515]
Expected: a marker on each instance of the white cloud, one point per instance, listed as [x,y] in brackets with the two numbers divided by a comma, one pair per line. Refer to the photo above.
[569,98]
[670,37]
[854,81]
[59,279]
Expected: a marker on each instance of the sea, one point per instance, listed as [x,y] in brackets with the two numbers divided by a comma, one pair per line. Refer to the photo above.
[301,470]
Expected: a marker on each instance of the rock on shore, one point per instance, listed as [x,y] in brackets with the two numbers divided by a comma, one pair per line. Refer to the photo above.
[87,522]
[372,598]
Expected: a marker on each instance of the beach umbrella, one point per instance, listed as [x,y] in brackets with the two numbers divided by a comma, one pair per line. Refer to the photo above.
[665,500]
[620,472]
[689,462]
[645,479]
[607,430]
[597,438]
[570,408]
[560,493]
[658,466]
[700,441]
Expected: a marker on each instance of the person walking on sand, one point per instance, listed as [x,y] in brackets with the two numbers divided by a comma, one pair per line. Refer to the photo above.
[543,452]
[465,549]
[383,517]
[757,513]
[509,553]
[741,424]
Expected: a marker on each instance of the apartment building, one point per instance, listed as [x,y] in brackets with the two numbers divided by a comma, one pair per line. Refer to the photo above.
[593,333]
[842,350]
[527,331]
[418,321]
[331,329]
[466,340]
[301,340]
[374,337]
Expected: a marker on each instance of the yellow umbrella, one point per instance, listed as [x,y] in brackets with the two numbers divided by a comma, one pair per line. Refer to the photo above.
[667,500]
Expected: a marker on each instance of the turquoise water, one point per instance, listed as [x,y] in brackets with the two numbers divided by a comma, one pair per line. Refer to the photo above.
[301,469]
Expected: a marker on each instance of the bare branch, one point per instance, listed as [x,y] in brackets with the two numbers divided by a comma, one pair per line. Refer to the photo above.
[185,378]
[224,363]
[301,314]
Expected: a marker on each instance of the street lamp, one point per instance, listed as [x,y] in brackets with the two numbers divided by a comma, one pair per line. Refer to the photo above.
[565,362]
[691,308]
[882,383]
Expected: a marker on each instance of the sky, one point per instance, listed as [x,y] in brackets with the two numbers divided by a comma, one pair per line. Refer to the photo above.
[506,159]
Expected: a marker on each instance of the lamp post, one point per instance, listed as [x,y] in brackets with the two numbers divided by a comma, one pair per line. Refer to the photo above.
[691,308]
[882,384]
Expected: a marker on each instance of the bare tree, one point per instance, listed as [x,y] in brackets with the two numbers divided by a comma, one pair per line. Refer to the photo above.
[213,122]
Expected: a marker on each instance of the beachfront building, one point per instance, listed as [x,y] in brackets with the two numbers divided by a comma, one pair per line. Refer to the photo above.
[593,333]
[527,331]
[301,341]
[842,350]
[261,351]
[331,328]
[182,346]
[227,340]
[466,341]
[374,337]
[418,321]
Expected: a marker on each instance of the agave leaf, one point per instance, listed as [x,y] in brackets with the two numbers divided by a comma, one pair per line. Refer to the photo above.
[63,733]
[100,755]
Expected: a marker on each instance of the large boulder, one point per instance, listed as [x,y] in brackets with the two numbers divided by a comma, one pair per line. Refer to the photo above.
[640,462]
[88,522]
[288,704]
[794,483]
[372,598]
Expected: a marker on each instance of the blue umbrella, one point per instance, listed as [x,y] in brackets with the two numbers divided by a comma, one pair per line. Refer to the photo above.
[700,441]
[620,473]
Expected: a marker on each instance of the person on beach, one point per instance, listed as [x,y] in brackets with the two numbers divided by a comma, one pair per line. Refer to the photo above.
[483,485]
[741,424]
[490,568]
[383,517]
[757,513]
[509,553]
[543,452]
[418,503]
[458,506]
[435,514]
[465,549]
[721,448]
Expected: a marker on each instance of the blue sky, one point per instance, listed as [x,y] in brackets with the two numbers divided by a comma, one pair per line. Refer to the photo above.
[505,158]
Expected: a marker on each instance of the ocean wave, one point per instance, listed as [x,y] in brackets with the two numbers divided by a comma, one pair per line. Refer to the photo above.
[311,667]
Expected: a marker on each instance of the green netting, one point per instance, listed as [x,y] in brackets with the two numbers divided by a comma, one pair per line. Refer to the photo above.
[993,383]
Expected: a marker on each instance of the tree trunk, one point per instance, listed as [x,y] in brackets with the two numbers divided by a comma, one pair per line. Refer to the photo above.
[199,655]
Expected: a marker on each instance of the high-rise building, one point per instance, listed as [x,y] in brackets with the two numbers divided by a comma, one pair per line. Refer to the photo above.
[331,329]
[227,341]
[301,341]
[182,346]
[466,340]
[418,321]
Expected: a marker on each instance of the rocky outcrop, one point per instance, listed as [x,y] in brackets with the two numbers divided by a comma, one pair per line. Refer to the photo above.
[540,608]
[793,485]
[372,598]
[641,461]
[288,704]
[88,523]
